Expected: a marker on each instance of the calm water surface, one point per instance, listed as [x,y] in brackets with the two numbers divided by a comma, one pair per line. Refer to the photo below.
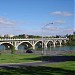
[51,48]
[63,48]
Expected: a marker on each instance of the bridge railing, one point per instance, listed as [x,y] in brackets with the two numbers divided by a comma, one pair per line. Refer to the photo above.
[1,39]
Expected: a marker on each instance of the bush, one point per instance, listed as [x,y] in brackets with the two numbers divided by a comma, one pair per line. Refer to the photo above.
[13,50]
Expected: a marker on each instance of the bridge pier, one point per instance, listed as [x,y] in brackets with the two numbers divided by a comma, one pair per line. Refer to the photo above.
[60,43]
[33,47]
[16,48]
[54,44]
[15,45]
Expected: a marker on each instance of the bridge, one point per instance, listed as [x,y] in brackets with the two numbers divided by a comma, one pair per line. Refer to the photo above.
[10,43]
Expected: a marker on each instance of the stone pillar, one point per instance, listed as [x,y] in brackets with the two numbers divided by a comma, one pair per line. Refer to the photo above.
[60,42]
[54,44]
[64,41]
[15,46]
[45,45]
[33,47]
[33,44]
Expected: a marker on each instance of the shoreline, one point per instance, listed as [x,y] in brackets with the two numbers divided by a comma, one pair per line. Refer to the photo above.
[45,52]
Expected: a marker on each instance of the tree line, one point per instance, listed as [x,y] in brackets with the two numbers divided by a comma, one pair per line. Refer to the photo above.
[71,41]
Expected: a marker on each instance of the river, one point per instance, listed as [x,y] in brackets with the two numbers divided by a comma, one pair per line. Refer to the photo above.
[51,48]
[63,48]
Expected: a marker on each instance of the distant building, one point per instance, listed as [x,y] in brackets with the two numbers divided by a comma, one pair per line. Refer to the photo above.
[1,35]
[26,36]
[8,35]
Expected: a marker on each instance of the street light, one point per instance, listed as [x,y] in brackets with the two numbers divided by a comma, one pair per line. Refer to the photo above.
[44,27]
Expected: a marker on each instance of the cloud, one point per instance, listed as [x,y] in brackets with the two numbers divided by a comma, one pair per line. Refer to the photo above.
[5,21]
[61,13]
[59,22]
[51,28]
[68,31]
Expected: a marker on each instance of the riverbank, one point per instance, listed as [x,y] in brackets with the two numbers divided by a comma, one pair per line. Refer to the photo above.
[18,58]
[56,65]
[23,58]
[41,52]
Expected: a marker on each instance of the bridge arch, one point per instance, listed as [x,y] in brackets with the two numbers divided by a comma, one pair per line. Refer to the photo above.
[24,45]
[38,44]
[57,43]
[7,46]
[49,43]
[63,42]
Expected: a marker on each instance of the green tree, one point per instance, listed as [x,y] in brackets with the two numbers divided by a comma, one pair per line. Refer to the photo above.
[13,50]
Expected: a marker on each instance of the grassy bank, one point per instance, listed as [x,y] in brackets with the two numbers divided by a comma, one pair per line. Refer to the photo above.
[21,58]
[37,70]
[17,58]
[66,65]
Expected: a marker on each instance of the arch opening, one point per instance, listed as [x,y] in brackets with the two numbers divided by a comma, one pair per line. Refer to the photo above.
[6,46]
[63,42]
[57,43]
[50,44]
[24,46]
[38,45]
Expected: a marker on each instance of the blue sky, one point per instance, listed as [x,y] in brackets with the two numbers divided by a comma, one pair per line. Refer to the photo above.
[30,16]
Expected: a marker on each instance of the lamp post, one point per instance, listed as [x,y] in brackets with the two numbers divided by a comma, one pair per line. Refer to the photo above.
[42,43]
[44,27]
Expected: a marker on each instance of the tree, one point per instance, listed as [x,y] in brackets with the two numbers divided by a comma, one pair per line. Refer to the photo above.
[13,50]
[74,33]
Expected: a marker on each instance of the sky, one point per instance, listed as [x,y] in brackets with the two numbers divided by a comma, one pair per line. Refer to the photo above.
[31,17]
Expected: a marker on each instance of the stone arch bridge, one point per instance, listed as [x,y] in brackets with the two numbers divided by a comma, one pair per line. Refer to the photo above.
[31,42]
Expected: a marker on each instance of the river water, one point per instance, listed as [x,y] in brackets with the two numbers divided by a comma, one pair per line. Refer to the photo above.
[63,48]
[51,48]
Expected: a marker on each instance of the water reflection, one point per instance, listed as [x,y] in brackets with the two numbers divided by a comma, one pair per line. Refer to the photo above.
[50,48]
[62,48]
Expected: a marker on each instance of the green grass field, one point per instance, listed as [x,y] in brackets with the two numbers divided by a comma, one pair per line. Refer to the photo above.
[17,58]
[66,67]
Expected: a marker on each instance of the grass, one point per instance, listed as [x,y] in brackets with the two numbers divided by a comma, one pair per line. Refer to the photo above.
[17,58]
[39,70]
[66,65]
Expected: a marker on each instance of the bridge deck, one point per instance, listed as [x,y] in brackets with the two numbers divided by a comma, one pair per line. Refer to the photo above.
[31,39]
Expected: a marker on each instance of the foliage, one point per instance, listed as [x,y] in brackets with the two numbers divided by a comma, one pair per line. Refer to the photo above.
[71,40]
[13,50]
